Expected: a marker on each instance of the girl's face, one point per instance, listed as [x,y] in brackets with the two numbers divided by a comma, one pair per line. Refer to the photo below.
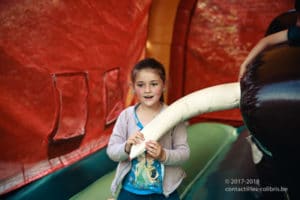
[148,87]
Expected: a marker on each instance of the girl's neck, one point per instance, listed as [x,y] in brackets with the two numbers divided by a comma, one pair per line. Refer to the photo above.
[146,114]
[154,108]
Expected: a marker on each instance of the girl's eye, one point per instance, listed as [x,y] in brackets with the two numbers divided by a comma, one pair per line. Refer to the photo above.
[154,84]
[140,84]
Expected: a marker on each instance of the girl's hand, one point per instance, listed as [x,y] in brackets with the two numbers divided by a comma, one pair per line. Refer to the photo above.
[155,150]
[135,138]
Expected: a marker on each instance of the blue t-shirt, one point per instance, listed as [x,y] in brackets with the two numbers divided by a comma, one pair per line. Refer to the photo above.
[146,174]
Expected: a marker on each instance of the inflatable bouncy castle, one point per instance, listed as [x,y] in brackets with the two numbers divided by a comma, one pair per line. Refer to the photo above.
[64,79]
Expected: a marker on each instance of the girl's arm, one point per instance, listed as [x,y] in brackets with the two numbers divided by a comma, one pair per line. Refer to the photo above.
[265,42]
[181,150]
[117,141]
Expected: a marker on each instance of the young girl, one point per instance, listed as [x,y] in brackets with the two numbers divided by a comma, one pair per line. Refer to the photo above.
[156,174]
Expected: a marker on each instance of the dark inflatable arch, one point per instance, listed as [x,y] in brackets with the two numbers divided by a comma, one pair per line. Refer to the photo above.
[270,106]
[270,98]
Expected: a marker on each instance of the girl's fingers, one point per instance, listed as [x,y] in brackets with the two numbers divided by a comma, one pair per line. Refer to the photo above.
[152,144]
[153,149]
[136,138]
[140,136]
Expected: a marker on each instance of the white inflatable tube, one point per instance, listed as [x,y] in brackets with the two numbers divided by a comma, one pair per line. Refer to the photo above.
[216,98]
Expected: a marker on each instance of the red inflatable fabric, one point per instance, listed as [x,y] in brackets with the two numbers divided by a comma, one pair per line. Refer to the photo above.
[211,49]
[63,65]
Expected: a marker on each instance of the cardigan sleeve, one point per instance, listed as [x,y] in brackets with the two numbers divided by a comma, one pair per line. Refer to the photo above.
[180,151]
[116,144]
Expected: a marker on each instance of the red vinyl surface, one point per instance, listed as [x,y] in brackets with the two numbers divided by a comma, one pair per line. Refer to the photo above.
[63,65]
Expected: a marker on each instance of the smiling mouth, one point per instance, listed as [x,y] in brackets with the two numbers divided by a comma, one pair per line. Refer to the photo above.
[148,97]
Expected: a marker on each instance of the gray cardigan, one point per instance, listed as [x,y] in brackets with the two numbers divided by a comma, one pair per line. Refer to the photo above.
[174,143]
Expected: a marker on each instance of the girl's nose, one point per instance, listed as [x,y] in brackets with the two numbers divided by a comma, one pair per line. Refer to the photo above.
[147,88]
